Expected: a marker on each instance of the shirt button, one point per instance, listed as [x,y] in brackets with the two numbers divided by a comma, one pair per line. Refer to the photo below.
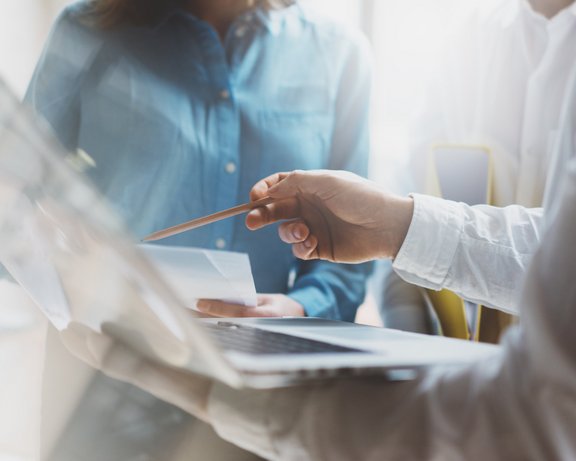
[220,244]
[224,94]
[240,31]
[230,167]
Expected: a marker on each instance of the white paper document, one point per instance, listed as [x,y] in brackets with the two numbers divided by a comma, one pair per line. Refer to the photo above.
[196,273]
[193,273]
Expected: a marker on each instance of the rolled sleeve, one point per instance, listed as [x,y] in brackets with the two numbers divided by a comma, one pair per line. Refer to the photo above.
[330,290]
[426,256]
[480,252]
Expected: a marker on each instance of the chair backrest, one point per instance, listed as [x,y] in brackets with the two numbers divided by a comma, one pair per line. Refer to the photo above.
[451,313]
[463,174]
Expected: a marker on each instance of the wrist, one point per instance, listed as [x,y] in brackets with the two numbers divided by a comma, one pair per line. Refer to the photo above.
[296,308]
[298,298]
[397,216]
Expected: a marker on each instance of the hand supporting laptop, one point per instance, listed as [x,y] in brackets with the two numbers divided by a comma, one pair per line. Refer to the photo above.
[117,360]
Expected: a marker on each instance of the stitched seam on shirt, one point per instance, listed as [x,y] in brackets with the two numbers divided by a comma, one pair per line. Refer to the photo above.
[451,261]
[452,216]
[501,246]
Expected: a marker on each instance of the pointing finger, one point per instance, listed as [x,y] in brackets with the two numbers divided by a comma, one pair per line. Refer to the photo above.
[276,211]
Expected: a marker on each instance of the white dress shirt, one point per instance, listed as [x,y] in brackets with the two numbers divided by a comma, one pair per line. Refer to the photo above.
[520,405]
[501,85]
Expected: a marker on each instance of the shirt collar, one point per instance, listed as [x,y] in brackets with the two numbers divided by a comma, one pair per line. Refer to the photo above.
[167,16]
[526,8]
[272,19]
[511,10]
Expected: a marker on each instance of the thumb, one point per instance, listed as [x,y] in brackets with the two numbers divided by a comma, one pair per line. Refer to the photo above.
[262,188]
[293,183]
[286,189]
[320,183]
[281,185]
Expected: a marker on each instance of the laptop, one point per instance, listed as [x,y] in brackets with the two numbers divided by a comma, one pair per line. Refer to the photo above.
[73,254]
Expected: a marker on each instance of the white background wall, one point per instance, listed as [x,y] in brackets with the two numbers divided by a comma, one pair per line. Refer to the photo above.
[24,25]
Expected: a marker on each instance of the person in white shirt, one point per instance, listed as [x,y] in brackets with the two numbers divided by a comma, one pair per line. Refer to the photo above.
[501,85]
[520,404]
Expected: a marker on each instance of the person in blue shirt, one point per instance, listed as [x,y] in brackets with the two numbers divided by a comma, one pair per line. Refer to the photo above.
[182,106]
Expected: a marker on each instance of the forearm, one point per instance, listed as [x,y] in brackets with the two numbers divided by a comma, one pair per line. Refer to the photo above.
[479,252]
[310,422]
[330,290]
[427,418]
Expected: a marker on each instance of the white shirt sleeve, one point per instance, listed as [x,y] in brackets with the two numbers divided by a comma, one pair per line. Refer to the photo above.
[516,405]
[480,252]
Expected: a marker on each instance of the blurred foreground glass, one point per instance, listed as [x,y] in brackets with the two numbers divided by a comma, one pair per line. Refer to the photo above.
[63,242]
[72,253]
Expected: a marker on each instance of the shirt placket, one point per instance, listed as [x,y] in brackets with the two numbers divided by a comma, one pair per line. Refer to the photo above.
[225,136]
[528,191]
[538,127]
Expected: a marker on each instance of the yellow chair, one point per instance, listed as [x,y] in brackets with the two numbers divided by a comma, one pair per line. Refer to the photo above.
[444,180]
[451,313]
[493,323]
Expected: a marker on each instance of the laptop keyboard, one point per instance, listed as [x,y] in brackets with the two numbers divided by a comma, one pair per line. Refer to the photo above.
[243,338]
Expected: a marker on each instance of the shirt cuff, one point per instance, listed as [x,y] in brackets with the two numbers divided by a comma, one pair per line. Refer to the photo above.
[313,300]
[431,242]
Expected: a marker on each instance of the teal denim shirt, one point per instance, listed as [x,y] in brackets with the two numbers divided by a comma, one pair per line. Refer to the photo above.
[181,124]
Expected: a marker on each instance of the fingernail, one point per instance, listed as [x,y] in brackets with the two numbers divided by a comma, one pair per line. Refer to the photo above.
[203,305]
[297,233]
[308,243]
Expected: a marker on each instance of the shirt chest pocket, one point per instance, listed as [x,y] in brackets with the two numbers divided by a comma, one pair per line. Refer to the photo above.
[295,128]
[293,140]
